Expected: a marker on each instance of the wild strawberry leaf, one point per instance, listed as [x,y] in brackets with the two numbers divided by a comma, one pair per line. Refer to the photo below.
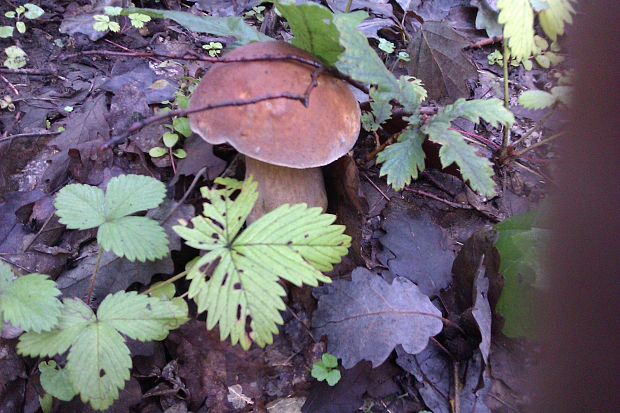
[128,194]
[294,243]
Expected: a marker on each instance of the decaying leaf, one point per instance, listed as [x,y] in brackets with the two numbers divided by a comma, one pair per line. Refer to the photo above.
[365,318]
[437,59]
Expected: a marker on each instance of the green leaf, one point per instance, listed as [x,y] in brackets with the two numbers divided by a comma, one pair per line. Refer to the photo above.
[138,19]
[29,302]
[47,403]
[403,159]
[294,243]
[157,152]
[140,317]
[474,168]
[99,363]
[412,93]
[333,377]
[517,17]
[386,45]
[16,57]
[563,94]
[329,360]
[135,238]
[180,153]
[313,29]
[128,194]
[359,60]
[218,26]
[536,99]
[319,371]
[33,11]
[112,11]
[75,317]
[521,244]
[554,18]
[80,206]
[6,32]
[170,139]
[21,27]
[181,125]
[56,381]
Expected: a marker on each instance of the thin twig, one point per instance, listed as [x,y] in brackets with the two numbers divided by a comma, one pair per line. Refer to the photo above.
[185,195]
[165,282]
[437,198]
[10,85]
[485,42]
[457,387]
[538,144]
[29,135]
[506,141]
[137,126]
[93,278]
[536,127]
[30,72]
[29,243]
[375,186]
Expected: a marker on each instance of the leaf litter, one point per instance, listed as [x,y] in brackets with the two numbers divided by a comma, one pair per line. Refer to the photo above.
[421,252]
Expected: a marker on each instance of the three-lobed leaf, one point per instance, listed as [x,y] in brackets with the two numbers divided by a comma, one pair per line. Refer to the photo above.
[133,237]
[99,361]
[237,280]
[29,302]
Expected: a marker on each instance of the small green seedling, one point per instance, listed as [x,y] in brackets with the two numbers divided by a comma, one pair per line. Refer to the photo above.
[386,46]
[214,48]
[404,56]
[29,11]
[15,57]
[326,369]
[257,12]
[103,24]
[138,20]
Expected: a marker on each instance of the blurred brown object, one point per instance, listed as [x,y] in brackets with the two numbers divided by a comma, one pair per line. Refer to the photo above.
[583,315]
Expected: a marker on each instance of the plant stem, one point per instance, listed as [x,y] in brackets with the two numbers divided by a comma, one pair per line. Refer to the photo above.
[93,278]
[166,282]
[541,143]
[538,126]
[506,141]
[348,8]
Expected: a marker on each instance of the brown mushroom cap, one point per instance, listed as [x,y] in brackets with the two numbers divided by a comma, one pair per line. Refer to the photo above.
[280,131]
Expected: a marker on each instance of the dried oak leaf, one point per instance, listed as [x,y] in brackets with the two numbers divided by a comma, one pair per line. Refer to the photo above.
[437,59]
[367,317]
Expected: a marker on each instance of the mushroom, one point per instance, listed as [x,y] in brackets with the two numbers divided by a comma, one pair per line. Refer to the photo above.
[284,142]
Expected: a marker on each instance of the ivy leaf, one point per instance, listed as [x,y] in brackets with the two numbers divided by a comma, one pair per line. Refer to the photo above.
[536,99]
[128,194]
[474,168]
[135,238]
[294,243]
[555,16]
[29,302]
[517,16]
[218,26]
[359,60]
[56,381]
[313,29]
[99,362]
[403,159]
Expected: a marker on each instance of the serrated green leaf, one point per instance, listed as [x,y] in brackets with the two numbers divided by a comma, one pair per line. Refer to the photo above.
[294,243]
[554,18]
[403,159]
[140,317]
[412,93]
[521,245]
[517,16]
[359,60]
[75,317]
[474,168]
[80,206]
[218,26]
[313,29]
[98,364]
[128,194]
[536,99]
[29,302]
[135,238]
[381,108]
[112,11]
[56,381]
[33,11]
